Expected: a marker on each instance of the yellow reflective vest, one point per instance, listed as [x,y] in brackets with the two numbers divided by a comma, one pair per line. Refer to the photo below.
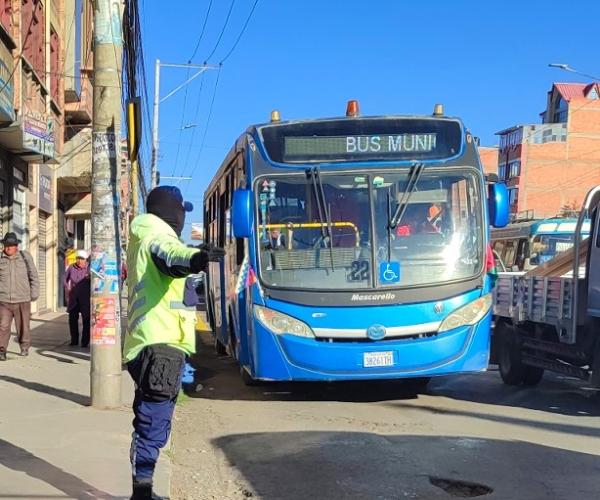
[156,312]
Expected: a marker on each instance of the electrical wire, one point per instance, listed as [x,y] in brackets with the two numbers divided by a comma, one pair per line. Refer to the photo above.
[222,31]
[201,32]
[210,110]
[241,32]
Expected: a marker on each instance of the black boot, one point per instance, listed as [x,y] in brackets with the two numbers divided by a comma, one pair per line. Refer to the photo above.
[142,490]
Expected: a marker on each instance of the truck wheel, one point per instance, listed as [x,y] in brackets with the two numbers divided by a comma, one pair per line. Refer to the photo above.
[510,364]
[533,375]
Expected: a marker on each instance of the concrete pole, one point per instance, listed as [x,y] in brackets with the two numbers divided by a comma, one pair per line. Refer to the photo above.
[105,256]
[155,124]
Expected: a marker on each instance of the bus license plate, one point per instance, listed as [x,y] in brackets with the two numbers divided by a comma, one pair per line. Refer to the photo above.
[373,359]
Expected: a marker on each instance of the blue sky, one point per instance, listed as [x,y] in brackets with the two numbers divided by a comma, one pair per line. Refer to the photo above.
[486,61]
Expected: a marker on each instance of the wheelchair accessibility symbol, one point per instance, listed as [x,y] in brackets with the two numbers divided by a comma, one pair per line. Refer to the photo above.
[389,272]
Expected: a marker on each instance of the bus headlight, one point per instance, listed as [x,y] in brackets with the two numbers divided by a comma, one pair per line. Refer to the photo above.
[468,314]
[280,323]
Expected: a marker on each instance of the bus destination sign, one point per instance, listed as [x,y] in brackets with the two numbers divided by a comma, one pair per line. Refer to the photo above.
[369,139]
[357,146]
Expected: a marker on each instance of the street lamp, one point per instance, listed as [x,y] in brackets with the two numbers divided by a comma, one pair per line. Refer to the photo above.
[566,67]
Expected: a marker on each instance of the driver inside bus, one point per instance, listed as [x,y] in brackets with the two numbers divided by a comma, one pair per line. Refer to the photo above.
[416,221]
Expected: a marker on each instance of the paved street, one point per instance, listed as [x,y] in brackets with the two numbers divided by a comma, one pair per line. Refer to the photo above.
[52,443]
[468,435]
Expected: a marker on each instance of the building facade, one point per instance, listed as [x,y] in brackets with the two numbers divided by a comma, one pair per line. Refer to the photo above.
[549,167]
[31,130]
[489,159]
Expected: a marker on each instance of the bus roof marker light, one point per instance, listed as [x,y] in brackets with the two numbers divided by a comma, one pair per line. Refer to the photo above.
[438,110]
[352,108]
[275,116]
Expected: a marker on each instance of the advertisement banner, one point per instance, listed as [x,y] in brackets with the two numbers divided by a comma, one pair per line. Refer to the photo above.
[45,190]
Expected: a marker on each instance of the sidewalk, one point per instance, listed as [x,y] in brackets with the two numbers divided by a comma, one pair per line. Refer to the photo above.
[52,443]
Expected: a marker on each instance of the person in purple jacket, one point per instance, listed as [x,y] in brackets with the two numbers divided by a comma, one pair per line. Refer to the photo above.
[77,290]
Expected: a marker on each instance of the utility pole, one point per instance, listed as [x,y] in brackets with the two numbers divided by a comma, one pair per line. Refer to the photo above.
[157,100]
[154,167]
[105,375]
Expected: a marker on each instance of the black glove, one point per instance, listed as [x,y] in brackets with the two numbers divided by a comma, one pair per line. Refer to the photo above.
[208,253]
[214,253]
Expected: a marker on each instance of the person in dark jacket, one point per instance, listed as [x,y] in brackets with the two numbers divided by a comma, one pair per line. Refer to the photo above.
[77,290]
[19,287]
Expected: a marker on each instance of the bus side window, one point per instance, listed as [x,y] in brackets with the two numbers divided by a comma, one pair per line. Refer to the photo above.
[222,221]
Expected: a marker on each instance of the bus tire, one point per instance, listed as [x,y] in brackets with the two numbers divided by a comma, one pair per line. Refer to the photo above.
[248,379]
[510,363]
[220,349]
[533,375]
[595,377]
[210,315]
[418,384]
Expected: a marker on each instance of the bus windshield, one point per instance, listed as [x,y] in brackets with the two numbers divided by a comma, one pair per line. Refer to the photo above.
[334,232]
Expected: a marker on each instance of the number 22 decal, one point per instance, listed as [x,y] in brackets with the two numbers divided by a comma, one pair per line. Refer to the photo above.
[359,270]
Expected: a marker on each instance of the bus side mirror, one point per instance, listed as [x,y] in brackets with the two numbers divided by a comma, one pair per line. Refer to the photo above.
[242,213]
[498,204]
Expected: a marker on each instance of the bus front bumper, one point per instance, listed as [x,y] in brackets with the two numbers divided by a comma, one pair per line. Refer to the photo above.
[288,357]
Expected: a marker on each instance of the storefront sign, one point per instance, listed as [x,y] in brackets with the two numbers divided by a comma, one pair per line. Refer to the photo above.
[45,190]
[38,133]
[7,110]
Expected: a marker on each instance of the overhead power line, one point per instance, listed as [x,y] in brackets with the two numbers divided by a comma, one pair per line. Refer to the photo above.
[222,31]
[201,32]
[241,32]
[210,110]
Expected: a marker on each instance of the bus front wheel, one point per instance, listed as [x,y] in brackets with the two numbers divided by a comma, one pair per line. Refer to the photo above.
[248,379]
[220,349]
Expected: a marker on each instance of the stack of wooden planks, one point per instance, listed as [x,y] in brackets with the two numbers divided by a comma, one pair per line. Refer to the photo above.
[561,264]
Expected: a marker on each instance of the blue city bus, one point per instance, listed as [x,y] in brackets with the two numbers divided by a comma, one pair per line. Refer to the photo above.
[523,245]
[355,249]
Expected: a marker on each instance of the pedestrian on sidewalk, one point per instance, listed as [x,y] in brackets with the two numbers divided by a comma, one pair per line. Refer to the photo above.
[77,291]
[19,287]
[161,324]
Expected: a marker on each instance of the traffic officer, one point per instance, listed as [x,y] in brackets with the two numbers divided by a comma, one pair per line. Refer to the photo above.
[161,323]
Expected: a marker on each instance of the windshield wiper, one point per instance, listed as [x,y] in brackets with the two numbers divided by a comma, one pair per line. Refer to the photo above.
[411,186]
[323,211]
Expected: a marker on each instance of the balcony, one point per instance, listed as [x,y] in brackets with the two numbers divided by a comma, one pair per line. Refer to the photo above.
[78,106]
[75,171]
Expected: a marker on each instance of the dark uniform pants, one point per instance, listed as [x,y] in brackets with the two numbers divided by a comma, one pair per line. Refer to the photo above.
[157,373]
